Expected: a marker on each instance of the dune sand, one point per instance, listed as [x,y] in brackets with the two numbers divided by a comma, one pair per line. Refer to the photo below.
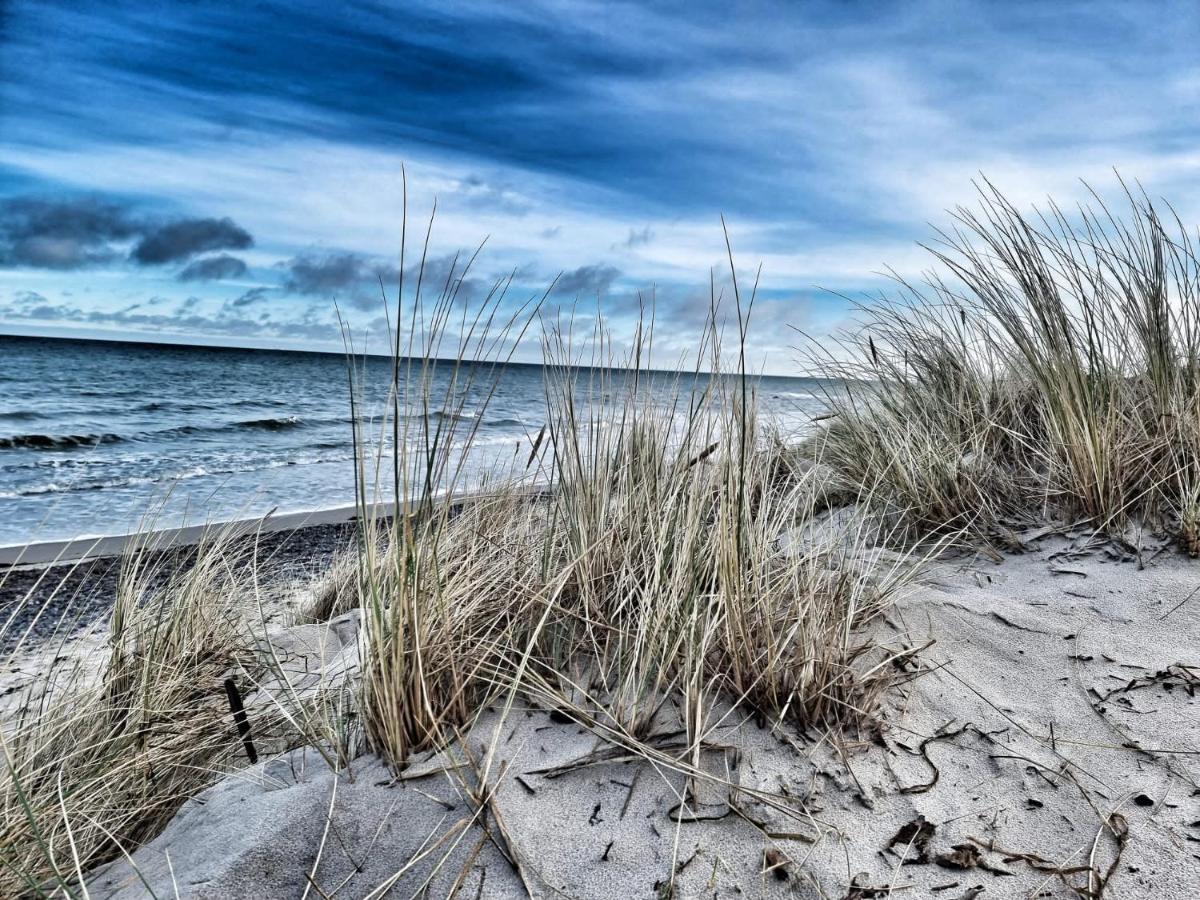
[1050,741]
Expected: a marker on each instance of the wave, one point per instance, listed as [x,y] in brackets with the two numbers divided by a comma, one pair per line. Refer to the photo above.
[467,415]
[196,405]
[57,441]
[73,441]
[98,484]
[178,435]
[269,424]
[279,424]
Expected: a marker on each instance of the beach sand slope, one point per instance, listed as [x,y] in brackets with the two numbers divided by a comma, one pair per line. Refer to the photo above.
[1050,747]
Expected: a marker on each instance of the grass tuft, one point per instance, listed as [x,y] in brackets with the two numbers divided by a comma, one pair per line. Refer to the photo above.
[1048,368]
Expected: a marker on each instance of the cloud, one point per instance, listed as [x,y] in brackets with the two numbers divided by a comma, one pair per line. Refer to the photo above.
[183,239]
[76,232]
[189,319]
[61,234]
[639,238]
[477,192]
[213,268]
[336,273]
[252,296]
[588,280]
[356,277]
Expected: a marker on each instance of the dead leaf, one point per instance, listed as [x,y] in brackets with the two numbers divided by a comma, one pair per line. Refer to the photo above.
[916,834]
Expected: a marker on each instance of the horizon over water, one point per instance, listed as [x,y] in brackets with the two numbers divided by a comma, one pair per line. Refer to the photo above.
[98,436]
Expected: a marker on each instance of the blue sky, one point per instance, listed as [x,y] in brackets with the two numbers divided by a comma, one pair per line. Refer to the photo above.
[226,172]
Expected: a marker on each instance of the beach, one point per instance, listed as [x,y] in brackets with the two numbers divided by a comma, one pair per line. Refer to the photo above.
[938,641]
[599,451]
[1036,741]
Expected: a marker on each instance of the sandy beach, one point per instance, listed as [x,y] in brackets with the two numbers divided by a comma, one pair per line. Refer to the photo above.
[1050,729]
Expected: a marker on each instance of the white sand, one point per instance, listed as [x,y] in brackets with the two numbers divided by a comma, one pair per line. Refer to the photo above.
[1021,660]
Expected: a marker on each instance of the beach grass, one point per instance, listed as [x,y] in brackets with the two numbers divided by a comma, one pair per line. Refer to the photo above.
[1048,368]
[103,746]
[655,557]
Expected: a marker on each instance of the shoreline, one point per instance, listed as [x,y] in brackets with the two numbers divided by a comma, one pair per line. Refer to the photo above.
[63,551]
[62,587]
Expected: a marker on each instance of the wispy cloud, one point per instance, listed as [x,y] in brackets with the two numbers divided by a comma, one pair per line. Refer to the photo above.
[213,268]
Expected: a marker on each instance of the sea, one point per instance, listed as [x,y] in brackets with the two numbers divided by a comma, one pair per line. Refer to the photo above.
[100,437]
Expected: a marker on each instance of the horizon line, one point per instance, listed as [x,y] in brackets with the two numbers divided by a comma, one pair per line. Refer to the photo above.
[150,342]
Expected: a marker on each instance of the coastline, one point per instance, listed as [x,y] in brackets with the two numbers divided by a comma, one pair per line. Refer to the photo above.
[55,589]
[42,554]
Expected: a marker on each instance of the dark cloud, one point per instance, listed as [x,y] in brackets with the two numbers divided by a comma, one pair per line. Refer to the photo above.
[250,297]
[61,234]
[327,274]
[590,280]
[76,232]
[183,239]
[213,268]
[355,278]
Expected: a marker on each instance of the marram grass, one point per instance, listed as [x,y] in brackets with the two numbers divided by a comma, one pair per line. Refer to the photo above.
[1047,368]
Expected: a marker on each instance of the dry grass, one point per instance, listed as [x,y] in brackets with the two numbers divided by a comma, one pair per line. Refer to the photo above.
[656,556]
[105,746]
[654,574]
[1049,368]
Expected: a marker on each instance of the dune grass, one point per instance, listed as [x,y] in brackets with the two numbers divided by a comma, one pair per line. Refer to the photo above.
[103,746]
[629,571]
[1047,368]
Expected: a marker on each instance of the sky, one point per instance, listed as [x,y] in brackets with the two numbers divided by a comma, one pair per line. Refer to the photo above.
[232,172]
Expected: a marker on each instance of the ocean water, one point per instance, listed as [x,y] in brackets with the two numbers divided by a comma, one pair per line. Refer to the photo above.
[97,437]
